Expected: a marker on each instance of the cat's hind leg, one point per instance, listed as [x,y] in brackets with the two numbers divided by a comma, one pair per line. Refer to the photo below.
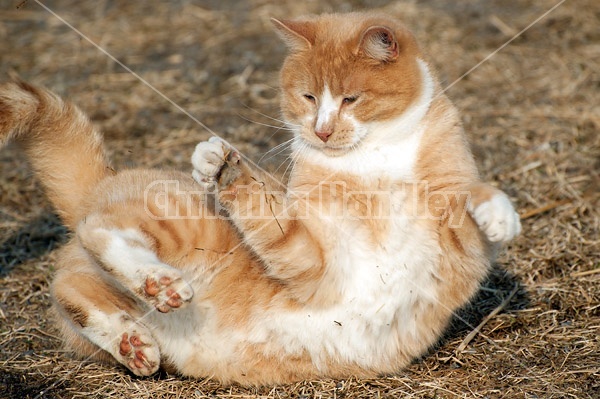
[127,255]
[97,319]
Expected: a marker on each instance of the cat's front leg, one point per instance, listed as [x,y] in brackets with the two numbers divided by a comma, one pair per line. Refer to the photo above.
[494,213]
[261,210]
[219,166]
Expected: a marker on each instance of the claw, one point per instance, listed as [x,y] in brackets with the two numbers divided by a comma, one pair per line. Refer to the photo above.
[147,363]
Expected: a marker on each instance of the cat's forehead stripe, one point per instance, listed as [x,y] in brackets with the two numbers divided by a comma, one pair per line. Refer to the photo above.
[327,108]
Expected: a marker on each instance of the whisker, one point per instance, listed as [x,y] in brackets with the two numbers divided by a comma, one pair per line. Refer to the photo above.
[274,133]
[270,117]
[296,157]
[289,158]
[278,149]
[284,127]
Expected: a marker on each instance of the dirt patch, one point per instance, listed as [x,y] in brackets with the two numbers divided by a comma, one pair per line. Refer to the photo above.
[532,112]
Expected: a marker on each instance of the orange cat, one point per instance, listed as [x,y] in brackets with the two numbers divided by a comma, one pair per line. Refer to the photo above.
[354,269]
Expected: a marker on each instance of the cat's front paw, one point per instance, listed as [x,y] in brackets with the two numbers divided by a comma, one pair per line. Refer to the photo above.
[497,218]
[208,160]
[215,162]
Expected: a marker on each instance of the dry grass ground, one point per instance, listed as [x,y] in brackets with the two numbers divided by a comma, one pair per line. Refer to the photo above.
[532,112]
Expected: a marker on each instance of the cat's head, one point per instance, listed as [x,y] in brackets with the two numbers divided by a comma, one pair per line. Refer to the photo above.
[343,74]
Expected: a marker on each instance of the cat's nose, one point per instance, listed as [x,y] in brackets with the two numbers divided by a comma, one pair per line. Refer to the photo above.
[324,134]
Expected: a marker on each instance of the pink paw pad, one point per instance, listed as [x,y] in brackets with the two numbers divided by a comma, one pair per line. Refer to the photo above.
[132,349]
[167,293]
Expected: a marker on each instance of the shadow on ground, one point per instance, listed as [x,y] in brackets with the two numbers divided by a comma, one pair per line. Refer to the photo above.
[34,239]
[495,289]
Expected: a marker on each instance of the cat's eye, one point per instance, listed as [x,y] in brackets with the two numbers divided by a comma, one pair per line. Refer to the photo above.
[310,98]
[350,100]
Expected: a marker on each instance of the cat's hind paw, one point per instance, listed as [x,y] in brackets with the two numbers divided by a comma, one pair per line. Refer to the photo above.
[497,218]
[138,352]
[167,290]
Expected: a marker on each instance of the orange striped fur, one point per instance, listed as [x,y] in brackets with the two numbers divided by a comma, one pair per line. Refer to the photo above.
[353,270]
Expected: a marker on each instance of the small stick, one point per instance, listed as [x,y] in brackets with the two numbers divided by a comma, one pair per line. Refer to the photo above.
[269,198]
[215,251]
[544,208]
[277,220]
[585,273]
[473,333]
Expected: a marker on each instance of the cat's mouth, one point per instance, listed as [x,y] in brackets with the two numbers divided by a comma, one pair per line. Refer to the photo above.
[338,144]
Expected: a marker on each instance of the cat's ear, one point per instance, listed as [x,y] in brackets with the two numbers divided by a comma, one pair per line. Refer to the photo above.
[298,35]
[379,43]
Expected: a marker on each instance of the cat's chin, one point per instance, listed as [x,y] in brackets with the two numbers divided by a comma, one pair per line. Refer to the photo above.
[336,152]
[332,151]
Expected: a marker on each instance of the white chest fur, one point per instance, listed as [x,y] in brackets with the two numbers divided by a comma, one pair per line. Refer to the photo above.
[380,282]
[380,286]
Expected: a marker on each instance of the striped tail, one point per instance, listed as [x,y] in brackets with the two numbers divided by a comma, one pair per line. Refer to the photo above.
[64,149]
